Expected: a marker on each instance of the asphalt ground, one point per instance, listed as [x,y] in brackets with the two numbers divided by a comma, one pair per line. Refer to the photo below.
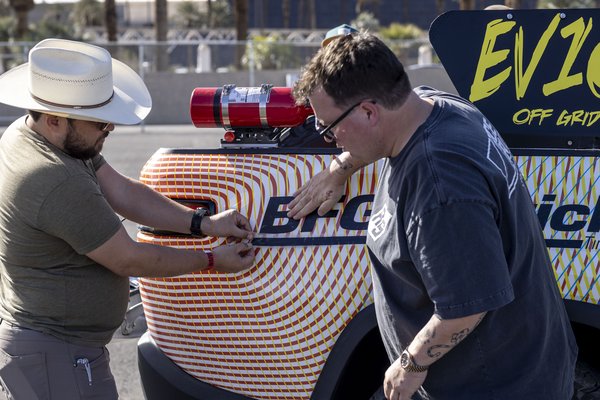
[127,149]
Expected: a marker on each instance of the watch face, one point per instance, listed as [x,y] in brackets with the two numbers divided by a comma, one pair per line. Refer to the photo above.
[404,360]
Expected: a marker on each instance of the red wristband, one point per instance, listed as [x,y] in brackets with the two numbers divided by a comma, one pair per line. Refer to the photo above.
[211,259]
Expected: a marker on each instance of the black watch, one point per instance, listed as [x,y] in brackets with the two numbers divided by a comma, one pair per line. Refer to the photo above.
[196,225]
[407,362]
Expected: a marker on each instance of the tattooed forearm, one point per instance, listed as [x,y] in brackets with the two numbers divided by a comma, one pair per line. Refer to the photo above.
[459,336]
[426,336]
[431,352]
[439,336]
[435,351]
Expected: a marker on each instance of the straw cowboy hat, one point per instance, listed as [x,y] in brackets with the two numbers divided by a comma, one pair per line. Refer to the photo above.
[76,80]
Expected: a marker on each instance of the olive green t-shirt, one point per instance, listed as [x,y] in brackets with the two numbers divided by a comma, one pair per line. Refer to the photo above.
[52,213]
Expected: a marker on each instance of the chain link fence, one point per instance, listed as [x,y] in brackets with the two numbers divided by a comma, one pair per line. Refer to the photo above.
[198,56]
[170,68]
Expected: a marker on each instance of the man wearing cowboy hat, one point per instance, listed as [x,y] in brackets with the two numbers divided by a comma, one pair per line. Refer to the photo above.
[65,257]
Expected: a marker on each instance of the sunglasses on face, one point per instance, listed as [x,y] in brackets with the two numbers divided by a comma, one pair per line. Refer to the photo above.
[325,130]
[102,126]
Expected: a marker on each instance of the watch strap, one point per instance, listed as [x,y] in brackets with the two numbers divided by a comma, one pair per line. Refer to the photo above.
[408,363]
[196,224]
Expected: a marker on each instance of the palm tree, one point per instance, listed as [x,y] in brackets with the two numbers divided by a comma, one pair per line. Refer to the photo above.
[209,18]
[241,29]
[221,14]
[312,14]
[466,4]
[358,8]
[300,14]
[86,13]
[285,12]
[363,5]
[440,6]
[22,8]
[161,26]
[110,20]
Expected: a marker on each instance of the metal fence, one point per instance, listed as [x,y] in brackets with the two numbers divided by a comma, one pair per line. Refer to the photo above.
[207,61]
[187,56]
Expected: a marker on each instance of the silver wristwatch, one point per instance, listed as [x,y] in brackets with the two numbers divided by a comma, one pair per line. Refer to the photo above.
[407,362]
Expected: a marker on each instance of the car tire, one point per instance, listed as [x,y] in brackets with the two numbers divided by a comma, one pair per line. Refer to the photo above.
[587,381]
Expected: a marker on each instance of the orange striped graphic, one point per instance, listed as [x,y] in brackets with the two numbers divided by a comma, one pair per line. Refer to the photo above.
[267,332]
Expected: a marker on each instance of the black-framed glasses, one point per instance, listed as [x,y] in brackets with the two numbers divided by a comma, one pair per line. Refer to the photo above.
[103,126]
[325,130]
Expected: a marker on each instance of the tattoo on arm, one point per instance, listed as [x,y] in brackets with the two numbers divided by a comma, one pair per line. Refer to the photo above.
[427,336]
[434,351]
[437,351]
[457,337]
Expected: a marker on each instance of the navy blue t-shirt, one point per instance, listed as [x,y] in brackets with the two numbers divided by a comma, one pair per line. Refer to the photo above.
[453,231]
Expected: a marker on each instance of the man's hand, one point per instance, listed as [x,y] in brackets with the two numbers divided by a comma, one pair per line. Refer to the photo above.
[233,257]
[320,191]
[230,224]
[400,384]
[325,189]
[434,340]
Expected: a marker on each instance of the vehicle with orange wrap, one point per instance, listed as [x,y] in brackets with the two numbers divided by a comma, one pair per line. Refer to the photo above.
[300,323]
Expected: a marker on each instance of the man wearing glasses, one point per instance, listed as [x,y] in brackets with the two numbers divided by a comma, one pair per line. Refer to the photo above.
[466,301]
[65,257]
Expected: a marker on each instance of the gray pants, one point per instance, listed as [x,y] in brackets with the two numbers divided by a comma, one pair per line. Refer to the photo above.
[37,366]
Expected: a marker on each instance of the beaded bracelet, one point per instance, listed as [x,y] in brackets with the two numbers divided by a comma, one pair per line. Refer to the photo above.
[211,259]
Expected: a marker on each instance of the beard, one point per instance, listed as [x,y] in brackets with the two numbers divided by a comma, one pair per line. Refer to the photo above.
[77,148]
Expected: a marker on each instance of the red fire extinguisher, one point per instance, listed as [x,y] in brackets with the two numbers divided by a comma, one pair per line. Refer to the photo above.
[246,107]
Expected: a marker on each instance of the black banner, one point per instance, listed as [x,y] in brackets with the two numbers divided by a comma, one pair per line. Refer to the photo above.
[531,72]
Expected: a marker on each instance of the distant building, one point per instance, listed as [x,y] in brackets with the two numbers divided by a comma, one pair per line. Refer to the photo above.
[268,14]
[329,13]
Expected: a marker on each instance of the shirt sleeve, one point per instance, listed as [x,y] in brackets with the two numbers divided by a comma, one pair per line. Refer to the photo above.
[77,212]
[458,251]
[98,161]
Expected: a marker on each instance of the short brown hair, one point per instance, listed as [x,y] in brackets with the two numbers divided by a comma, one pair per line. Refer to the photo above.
[34,114]
[354,68]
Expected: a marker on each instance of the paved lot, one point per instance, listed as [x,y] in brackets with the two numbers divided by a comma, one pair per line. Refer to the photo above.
[127,149]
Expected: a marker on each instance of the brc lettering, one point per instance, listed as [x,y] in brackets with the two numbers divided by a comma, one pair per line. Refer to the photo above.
[276,220]
[355,215]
